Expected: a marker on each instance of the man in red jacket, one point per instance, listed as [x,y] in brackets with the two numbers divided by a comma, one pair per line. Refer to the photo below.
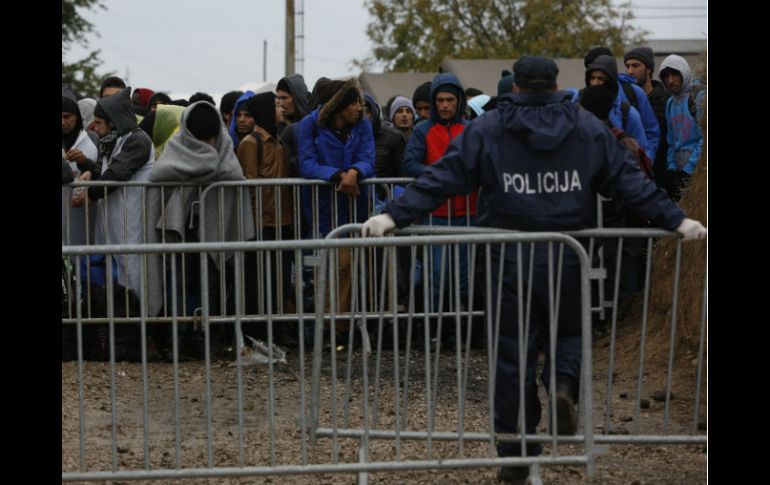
[429,140]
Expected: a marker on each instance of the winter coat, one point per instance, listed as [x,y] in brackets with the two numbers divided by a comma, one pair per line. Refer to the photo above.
[263,157]
[430,139]
[685,138]
[537,162]
[322,155]
[389,143]
[652,129]
[130,154]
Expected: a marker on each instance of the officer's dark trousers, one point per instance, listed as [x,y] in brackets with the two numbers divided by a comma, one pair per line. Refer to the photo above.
[568,339]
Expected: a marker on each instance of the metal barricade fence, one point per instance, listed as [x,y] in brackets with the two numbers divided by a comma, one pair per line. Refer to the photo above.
[642,394]
[652,421]
[145,422]
[176,212]
[379,413]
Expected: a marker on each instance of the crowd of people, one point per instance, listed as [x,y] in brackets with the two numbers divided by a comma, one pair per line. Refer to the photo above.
[627,136]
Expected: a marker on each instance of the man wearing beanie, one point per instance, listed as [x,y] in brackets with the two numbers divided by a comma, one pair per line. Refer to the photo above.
[505,84]
[402,115]
[640,63]
[425,147]
[336,144]
[537,162]
[140,99]
[421,101]
[389,142]
[635,96]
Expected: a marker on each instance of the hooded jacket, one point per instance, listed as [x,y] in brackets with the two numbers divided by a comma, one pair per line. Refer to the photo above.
[634,127]
[87,106]
[658,98]
[389,143]
[75,230]
[322,155]
[537,162]
[650,123]
[133,149]
[263,156]
[231,130]
[120,217]
[299,93]
[685,138]
[430,139]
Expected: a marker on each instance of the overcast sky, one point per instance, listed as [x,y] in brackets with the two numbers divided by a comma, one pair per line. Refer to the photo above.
[183,46]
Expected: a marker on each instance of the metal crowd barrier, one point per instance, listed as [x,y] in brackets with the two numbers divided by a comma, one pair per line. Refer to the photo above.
[137,432]
[390,306]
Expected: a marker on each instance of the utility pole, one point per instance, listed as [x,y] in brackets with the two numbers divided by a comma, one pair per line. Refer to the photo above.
[300,57]
[289,37]
[264,61]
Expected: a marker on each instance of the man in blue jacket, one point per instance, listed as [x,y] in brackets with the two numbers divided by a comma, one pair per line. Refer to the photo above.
[567,155]
[684,110]
[336,144]
[635,96]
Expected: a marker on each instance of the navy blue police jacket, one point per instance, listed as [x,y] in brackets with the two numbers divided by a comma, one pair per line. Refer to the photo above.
[537,162]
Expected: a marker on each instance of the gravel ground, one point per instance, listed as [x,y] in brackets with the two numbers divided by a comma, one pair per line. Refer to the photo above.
[620,464]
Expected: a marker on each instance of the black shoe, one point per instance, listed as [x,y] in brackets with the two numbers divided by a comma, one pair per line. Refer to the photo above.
[566,414]
[513,474]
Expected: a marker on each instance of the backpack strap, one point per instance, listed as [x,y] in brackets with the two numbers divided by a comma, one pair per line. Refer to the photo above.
[624,109]
[260,149]
[628,89]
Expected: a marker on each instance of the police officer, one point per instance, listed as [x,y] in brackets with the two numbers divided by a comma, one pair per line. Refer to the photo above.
[537,162]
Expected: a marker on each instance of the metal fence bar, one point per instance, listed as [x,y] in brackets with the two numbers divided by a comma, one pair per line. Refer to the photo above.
[358,313]
[701,343]
[672,341]
[643,336]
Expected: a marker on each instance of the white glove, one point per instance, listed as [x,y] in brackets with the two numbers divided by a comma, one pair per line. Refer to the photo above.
[691,230]
[376,226]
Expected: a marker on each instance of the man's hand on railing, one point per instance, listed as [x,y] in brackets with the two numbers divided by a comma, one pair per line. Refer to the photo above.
[349,183]
[691,230]
[80,194]
[376,226]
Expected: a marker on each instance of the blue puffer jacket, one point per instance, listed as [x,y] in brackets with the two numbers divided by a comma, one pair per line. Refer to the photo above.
[537,162]
[322,155]
[649,121]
